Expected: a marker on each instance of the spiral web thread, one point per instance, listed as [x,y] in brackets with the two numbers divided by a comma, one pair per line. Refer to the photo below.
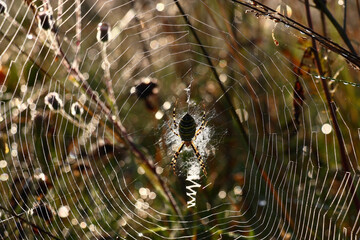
[78,162]
[192,176]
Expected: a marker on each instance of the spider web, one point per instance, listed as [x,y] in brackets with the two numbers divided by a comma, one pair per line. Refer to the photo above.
[78,161]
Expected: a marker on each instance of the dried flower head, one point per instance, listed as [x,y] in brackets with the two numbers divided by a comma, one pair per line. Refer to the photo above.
[46,21]
[42,185]
[76,109]
[103,32]
[43,211]
[53,101]
[3,7]
[146,87]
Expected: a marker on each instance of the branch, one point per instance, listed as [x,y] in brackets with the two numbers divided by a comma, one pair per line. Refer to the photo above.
[59,12]
[107,77]
[327,43]
[78,32]
[29,223]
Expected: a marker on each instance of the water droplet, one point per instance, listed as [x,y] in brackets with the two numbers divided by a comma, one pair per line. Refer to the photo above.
[3,164]
[326,128]
[166,105]
[159,115]
[140,170]
[222,194]
[4,177]
[160,7]
[238,190]
[262,203]
[83,224]
[63,211]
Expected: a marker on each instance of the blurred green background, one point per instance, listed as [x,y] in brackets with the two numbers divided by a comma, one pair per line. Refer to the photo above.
[98,169]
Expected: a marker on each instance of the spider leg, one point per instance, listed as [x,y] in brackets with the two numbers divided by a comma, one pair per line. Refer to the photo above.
[174,115]
[199,158]
[176,155]
[173,130]
[202,126]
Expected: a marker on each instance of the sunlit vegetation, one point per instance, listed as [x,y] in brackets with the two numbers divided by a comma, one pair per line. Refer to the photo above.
[179,119]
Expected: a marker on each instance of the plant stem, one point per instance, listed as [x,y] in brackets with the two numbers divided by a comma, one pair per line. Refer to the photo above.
[332,108]
[320,4]
[216,75]
[236,117]
[107,76]
[345,15]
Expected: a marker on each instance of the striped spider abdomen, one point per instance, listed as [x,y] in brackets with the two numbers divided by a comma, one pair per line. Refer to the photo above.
[188,133]
[187,128]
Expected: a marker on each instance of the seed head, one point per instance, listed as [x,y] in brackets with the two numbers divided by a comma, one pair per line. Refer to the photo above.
[53,101]
[3,7]
[103,32]
[45,20]
[76,109]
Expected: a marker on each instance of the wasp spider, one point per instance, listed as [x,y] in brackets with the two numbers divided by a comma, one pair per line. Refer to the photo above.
[188,133]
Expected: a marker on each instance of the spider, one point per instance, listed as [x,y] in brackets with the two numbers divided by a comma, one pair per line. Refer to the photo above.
[187,133]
